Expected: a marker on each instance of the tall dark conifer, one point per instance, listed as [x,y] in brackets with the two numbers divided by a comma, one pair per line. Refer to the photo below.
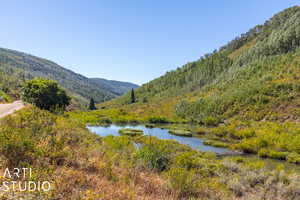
[132,96]
[92,105]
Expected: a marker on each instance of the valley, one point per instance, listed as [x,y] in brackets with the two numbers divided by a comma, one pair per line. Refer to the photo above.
[223,127]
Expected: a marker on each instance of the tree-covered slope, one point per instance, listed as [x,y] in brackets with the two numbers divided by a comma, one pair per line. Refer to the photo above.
[23,66]
[255,76]
[118,87]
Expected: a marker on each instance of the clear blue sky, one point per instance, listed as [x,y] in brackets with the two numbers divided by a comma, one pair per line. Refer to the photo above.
[128,40]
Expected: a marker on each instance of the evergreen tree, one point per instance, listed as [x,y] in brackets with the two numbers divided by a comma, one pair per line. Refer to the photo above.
[92,105]
[132,96]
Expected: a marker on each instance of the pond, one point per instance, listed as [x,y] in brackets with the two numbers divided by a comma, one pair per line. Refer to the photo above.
[194,142]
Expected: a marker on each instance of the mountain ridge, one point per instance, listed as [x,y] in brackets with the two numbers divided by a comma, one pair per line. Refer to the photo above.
[119,87]
[83,88]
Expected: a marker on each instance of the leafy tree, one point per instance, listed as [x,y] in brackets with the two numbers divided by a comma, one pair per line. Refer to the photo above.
[132,96]
[45,94]
[92,105]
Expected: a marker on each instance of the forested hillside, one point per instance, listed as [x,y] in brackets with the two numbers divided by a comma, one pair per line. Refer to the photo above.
[244,97]
[16,67]
[117,87]
[255,76]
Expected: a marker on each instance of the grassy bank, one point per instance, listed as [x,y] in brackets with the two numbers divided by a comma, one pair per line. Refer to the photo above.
[116,115]
[81,165]
[266,139]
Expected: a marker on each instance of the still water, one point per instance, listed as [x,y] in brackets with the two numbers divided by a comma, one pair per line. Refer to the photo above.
[194,142]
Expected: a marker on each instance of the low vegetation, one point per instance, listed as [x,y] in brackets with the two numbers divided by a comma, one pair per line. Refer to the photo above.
[181,132]
[266,139]
[131,132]
[216,143]
[63,151]
[116,115]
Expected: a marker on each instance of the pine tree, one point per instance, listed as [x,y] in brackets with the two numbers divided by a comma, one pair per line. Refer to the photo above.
[132,96]
[92,105]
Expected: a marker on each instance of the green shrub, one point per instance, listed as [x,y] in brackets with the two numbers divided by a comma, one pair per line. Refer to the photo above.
[200,131]
[105,121]
[220,131]
[17,150]
[153,158]
[119,144]
[184,182]
[149,125]
[4,97]
[121,121]
[186,160]
[157,120]
[267,153]
[263,153]
[293,158]
[211,121]
[45,94]
[246,147]
[216,143]
[244,133]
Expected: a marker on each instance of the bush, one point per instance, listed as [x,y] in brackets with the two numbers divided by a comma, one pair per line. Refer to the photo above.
[200,131]
[45,94]
[105,120]
[293,158]
[220,131]
[150,126]
[244,133]
[267,153]
[4,97]
[210,121]
[157,120]
[153,158]
[184,182]
[263,153]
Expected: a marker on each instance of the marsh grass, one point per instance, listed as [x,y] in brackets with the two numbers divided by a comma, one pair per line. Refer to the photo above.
[131,132]
[92,167]
[181,132]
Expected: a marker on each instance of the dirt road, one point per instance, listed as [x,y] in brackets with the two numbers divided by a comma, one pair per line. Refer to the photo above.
[6,109]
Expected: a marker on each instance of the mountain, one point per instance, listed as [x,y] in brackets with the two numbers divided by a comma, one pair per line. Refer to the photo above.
[19,65]
[255,76]
[117,87]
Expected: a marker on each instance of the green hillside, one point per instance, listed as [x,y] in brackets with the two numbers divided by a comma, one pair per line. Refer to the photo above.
[20,66]
[117,87]
[255,76]
[246,95]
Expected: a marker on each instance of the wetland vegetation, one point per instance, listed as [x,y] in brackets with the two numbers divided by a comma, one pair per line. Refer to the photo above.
[243,97]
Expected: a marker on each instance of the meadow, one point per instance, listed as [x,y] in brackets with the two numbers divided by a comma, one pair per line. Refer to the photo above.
[82,165]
